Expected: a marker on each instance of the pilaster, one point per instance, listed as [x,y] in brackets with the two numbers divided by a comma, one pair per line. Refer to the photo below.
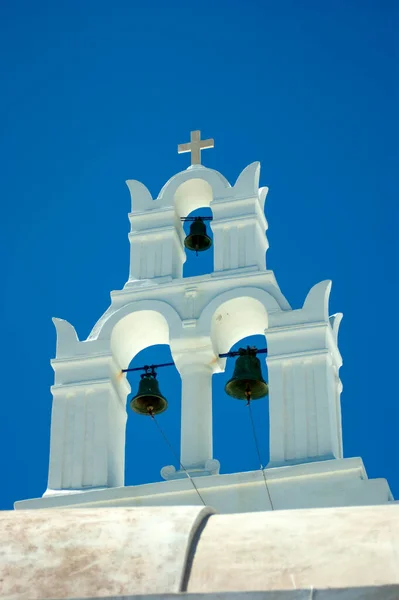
[88,425]
[156,249]
[304,389]
[239,234]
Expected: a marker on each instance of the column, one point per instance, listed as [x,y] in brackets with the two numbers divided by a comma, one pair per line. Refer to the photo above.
[196,415]
[196,365]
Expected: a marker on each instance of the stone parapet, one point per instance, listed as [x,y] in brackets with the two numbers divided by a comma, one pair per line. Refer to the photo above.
[132,553]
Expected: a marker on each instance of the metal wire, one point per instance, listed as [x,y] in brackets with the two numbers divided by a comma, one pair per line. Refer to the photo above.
[196,218]
[238,353]
[258,451]
[171,364]
[147,367]
[176,457]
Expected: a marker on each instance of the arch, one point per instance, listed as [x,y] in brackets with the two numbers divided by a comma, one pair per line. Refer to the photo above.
[264,297]
[136,331]
[192,194]
[247,184]
[199,175]
[138,325]
[142,199]
[235,320]
[235,315]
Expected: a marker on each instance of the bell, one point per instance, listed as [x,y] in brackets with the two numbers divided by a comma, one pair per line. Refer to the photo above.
[247,382]
[198,239]
[148,400]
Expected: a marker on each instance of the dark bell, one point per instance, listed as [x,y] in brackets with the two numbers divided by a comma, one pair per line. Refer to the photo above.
[198,239]
[247,382]
[148,400]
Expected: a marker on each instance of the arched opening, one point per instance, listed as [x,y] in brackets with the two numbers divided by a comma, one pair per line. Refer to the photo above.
[136,331]
[146,450]
[234,443]
[238,323]
[193,199]
[141,338]
[201,263]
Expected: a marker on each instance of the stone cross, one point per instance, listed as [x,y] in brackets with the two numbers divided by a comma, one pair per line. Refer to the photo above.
[195,146]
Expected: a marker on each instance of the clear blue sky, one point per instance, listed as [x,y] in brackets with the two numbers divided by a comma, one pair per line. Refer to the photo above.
[94,93]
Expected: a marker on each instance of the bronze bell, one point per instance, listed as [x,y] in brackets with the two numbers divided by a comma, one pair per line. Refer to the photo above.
[148,400]
[198,239]
[247,382]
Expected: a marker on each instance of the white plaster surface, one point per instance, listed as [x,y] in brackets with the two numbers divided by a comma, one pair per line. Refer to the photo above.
[325,548]
[199,317]
[323,554]
[388,592]
[69,553]
[239,224]
[312,485]
[89,407]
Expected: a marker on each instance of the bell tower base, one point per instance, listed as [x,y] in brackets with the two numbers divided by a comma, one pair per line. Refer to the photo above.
[338,482]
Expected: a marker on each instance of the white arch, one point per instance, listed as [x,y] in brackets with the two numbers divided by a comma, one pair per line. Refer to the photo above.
[265,298]
[138,325]
[137,331]
[236,314]
[192,194]
[236,319]
[218,184]
[247,184]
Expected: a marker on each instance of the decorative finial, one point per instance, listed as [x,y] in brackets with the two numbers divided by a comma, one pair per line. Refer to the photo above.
[195,146]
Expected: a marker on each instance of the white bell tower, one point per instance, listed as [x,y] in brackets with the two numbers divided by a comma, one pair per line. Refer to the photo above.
[200,318]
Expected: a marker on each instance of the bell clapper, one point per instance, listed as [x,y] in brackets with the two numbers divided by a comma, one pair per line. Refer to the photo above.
[248,394]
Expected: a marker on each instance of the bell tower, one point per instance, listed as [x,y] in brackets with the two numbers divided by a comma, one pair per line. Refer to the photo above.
[201,318]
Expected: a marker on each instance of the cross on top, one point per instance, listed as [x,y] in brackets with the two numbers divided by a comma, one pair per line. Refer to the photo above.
[195,146]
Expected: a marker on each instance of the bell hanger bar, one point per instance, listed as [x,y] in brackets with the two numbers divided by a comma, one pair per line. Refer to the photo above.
[147,368]
[252,350]
[196,218]
[171,364]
